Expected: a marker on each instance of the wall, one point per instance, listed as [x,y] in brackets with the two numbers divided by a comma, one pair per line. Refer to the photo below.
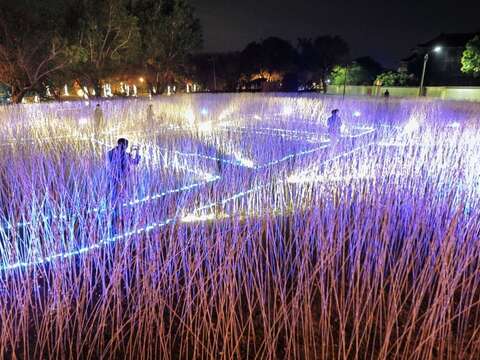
[441,92]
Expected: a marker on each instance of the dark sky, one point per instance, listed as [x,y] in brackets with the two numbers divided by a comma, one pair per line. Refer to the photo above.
[386,30]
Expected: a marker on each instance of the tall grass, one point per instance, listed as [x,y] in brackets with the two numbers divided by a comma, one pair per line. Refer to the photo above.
[245,234]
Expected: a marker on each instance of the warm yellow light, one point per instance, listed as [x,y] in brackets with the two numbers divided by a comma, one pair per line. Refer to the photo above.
[195,218]
[141,79]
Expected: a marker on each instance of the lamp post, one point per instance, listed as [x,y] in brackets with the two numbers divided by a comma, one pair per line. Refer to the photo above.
[437,49]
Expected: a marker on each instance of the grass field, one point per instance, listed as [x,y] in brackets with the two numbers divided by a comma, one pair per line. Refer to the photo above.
[245,232]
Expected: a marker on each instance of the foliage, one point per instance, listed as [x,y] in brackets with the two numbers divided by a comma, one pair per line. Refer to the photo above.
[89,41]
[371,68]
[393,78]
[321,55]
[108,37]
[471,57]
[221,68]
[268,60]
[351,75]
[31,45]
[272,55]
[169,32]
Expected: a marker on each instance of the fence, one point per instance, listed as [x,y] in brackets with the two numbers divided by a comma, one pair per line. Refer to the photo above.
[440,92]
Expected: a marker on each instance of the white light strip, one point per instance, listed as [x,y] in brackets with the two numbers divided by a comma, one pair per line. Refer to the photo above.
[155,225]
[151,197]
[256,188]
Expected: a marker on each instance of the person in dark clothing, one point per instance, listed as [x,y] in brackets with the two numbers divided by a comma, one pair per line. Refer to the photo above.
[98,120]
[386,94]
[334,124]
[120,163]
[150,115]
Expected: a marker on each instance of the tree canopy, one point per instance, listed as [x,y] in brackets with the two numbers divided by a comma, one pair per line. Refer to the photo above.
[107,38]
[269,59]
[90,40]
[170,32]
[393,78]
[31,43]
[321,55]
[353,74]
[471,57]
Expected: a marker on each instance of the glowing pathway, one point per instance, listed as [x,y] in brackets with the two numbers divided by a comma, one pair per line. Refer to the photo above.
[193,216]
[208,178]
[304,135]
[173,220]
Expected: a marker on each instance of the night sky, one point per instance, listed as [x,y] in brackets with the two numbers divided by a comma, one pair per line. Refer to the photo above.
[385,30]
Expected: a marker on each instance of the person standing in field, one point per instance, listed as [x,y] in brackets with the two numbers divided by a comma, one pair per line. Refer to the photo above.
[120,164]
[98,120]
[334,124]
[150,114]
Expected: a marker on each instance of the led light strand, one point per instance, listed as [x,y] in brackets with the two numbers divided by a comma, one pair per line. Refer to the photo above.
[290,156]
[307,173]
[152,226]
[258,187]
[208,178]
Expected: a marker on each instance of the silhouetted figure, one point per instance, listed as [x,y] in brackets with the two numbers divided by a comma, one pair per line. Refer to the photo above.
[334,124]
[98,120]
[386,94]
[120,163]
[150,114]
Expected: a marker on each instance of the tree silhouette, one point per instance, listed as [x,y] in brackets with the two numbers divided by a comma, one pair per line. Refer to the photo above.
[170,32]
[321,55]
[31,45]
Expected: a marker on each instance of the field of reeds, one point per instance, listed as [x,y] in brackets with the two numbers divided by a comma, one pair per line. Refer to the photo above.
[244,233]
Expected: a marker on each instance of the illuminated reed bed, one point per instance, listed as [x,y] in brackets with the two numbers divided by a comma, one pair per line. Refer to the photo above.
[245,232]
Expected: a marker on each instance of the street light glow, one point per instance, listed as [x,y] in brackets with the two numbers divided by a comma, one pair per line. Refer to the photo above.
[437,49]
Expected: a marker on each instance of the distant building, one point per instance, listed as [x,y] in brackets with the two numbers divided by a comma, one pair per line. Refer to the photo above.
[443,66]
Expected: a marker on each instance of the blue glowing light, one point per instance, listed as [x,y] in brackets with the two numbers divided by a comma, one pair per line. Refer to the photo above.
[150,197]
[454,125]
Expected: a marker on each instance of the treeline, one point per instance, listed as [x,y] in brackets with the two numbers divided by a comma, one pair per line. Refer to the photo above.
[47,44]
[275,64]
[51,42]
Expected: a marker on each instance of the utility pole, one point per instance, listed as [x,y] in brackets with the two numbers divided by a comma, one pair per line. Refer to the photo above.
[345,81]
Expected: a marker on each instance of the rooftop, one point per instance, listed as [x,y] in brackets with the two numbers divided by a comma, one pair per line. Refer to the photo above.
[449,40]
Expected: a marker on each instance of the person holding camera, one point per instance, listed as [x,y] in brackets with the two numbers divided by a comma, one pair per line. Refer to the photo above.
[120,163]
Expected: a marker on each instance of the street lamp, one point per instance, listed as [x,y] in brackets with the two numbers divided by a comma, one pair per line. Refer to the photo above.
[436,49]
